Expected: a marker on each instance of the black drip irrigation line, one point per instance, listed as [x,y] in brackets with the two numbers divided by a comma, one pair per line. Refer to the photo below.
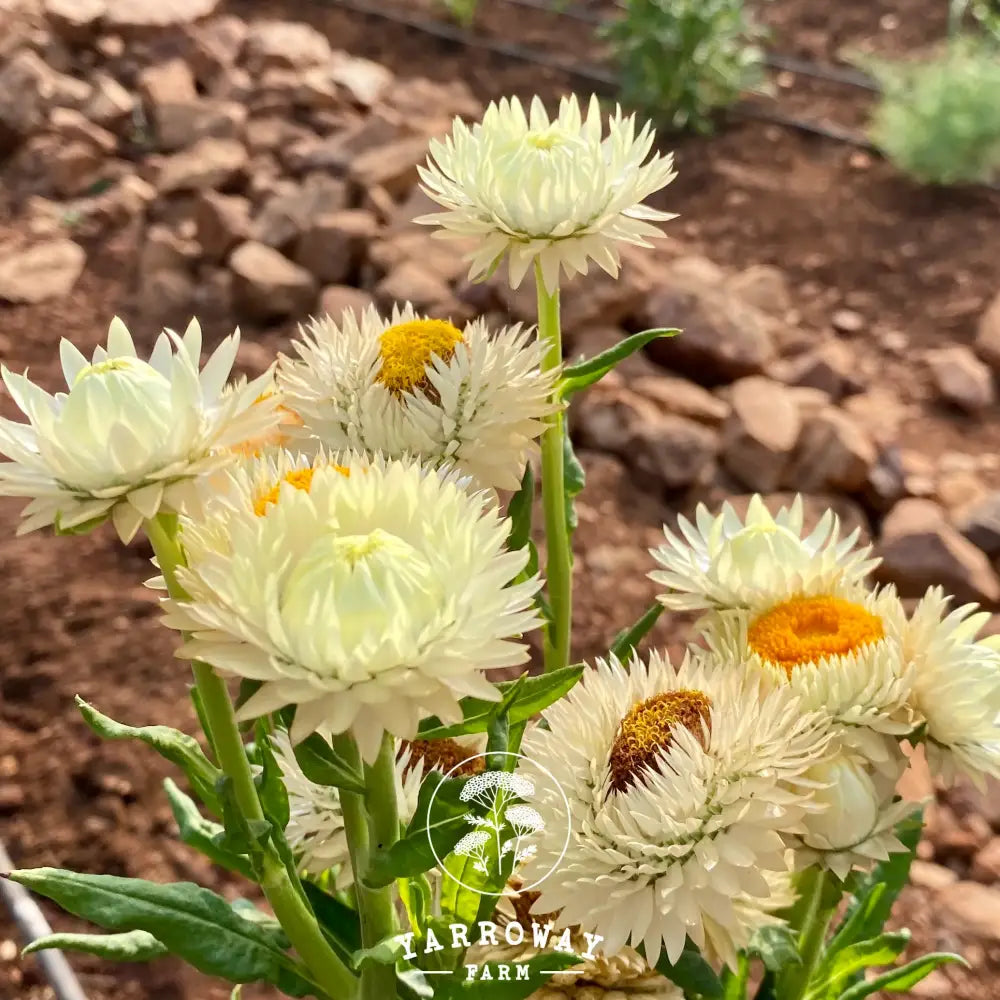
[601,80]
[31,923]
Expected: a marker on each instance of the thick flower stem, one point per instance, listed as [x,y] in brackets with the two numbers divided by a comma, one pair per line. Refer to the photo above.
[297,921]
[559,568]
[812,920]
[371,822]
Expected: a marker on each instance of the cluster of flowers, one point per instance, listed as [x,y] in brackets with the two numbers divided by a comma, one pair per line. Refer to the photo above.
[331,533]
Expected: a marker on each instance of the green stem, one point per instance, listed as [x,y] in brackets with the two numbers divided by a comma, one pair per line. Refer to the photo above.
[371,822]
[559,567]
[295,917]
[813,924]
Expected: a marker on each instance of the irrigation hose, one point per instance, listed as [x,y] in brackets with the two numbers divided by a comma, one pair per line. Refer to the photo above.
[31,923]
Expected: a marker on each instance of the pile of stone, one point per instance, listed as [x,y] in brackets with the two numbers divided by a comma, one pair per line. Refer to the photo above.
[266,176]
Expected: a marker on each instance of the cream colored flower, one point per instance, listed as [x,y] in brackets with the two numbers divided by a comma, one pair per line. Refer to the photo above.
[315,830]
[856,827]
[841,652]
[555,191]
[367,593]
[956,687]
[408,385]
[682,786]
[129,438]
[723,562]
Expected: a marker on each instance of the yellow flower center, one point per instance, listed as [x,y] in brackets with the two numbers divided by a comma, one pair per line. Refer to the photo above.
[301,479]
[103,367]
[546,139]
[648,729]
[442,755]
[407,348]
[808,629]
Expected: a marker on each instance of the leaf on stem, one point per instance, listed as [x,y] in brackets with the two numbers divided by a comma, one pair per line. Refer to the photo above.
[322,764]
[131,946]
[340,924]
[897,980]
[626,640]
[175,746]
[585,373]
[692,973]
[574,479]
[202,834]
[775,946]
[189,921]
[519,510]
[533,695]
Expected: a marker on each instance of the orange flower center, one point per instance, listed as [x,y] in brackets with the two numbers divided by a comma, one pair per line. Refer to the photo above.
[809,629]
[301,479]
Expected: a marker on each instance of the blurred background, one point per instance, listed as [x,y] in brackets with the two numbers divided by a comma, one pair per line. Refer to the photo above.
[835,268]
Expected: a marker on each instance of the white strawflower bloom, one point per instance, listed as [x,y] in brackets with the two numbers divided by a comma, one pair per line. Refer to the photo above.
[723,562]
[315,831]
[841,652]
[129,438]
[369,593]
[682,786]
[554,191]
[408,385]
[856,827]
[956,687]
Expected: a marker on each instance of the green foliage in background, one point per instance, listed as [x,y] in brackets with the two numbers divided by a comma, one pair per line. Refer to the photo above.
[939,118]
[682,61]
[462,11]
[985,13]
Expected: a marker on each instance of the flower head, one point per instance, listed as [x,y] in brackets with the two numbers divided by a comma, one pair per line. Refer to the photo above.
[129,437]
[682,785]
[556,191]
[408,385]
[723,562]
[956,687]
[367,593]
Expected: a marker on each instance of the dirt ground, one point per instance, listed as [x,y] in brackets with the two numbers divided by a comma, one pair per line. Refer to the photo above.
[849,232]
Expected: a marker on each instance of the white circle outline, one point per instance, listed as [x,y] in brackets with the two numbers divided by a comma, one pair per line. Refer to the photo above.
[546,772]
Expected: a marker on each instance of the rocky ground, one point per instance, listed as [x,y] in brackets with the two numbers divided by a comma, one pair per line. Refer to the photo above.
[174,158]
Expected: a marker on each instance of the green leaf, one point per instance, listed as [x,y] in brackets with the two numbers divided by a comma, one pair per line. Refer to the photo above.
[320,763]
[191,922]
[78,529]
[202,834]
[132,946]
[626,640]
[692,973]
[534,695]
[339,922]
[840,967]
[876,893]
[177,747]
[270,784]
[775,946]
[897,980]
[574,479]
[585,373]
[519,511]
[443,825]
[387,952]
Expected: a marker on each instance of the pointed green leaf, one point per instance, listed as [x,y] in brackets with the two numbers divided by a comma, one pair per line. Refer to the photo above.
[841,967]
[442,824]
[519,511]
[574,479]
[591,370]
[534,695]
[692,974]
[270,784]
[884,883]
[132,946]
[387,952]
[626,640]
[897,980]
[191,922]
[202,834]
[339,922]
[321,763]
[175,746]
